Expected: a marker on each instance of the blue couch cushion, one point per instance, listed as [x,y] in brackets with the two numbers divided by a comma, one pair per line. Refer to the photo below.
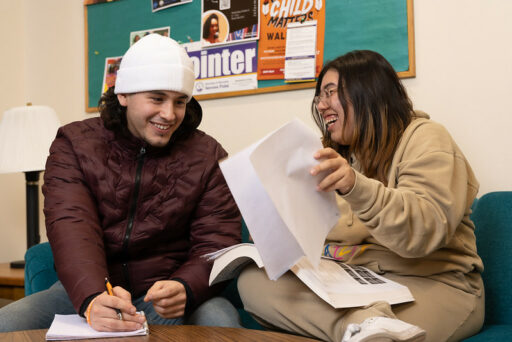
[40,272]
[492,333]
[492,215]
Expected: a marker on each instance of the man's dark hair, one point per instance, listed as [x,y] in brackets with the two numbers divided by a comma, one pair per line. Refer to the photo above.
[114,116]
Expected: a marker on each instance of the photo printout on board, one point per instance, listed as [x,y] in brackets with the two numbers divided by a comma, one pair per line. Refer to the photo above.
[136,35]
[110,73]
[228,21]
[157,5]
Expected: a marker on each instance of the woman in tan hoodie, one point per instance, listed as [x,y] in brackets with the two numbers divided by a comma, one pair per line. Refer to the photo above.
[405,192]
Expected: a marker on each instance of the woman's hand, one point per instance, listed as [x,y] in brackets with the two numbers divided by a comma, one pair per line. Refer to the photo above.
[340,175]
[169,298]
[103,317]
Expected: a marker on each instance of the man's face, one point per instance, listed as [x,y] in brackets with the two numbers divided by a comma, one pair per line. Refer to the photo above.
[154,116]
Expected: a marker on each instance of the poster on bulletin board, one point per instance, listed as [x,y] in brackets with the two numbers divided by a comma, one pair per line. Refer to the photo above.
[275,20]
[228,62]
[228,21]
[227,68]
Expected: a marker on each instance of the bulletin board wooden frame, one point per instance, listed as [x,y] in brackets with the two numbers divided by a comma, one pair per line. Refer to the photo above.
[386,26]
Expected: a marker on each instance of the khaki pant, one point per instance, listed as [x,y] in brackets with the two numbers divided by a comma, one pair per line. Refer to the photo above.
[446,313]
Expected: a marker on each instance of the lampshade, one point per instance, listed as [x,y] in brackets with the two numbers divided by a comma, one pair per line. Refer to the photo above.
[26,134]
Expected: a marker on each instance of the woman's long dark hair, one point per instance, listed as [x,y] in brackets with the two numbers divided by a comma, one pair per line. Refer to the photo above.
[114,116]
[382,110]
[207,24]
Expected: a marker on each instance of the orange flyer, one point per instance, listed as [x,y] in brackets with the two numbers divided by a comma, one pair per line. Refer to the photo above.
[274,17]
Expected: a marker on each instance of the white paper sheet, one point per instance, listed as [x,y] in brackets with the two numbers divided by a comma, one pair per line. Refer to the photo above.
[278,248]
[301,39]
[74,327]
[270,181]
[283,162]
[300,54]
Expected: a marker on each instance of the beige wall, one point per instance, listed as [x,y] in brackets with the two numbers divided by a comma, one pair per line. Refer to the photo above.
[464,80]
[12,93]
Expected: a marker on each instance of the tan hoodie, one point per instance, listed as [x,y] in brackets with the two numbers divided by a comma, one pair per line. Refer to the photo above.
[419,224]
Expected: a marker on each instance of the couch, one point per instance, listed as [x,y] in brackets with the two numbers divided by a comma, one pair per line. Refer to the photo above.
[492,214]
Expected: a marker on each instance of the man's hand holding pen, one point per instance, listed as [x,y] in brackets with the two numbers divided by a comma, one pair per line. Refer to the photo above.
[102,315]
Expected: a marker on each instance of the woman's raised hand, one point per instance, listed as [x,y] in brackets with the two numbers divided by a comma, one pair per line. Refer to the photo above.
[340,175]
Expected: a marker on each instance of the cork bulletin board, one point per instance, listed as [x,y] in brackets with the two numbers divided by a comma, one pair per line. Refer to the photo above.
[386,26]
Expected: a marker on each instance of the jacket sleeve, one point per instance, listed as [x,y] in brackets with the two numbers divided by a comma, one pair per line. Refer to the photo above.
[216,224]
[420,213]
[72,224]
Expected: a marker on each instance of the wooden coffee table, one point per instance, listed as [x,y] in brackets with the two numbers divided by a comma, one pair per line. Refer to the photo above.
[175,333]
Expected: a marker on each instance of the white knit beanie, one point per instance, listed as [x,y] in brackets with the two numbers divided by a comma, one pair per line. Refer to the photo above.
[155,62]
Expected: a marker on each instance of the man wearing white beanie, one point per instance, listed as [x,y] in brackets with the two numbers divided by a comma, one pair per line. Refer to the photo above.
[136,196]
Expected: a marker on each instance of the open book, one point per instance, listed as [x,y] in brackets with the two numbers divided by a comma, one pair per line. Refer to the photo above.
[230,261]
[341,285]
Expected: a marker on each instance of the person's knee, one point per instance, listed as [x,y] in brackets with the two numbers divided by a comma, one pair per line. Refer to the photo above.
[246,281]
[217,311]
[19,315]
[8,317]
[37,310]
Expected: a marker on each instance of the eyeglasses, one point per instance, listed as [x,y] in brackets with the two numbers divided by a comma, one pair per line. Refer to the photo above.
[325,95]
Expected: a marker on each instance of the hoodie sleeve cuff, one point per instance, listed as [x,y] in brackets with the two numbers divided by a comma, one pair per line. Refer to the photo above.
[189,305]
[363,193]
[86,303]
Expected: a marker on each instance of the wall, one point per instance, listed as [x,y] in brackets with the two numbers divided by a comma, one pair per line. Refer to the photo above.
[12,89]
[42,62]
[464,80]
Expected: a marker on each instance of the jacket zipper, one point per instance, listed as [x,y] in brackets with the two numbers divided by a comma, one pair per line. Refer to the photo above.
[131,214]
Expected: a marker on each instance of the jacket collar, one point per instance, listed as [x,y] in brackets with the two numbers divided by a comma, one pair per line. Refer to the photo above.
[132,145]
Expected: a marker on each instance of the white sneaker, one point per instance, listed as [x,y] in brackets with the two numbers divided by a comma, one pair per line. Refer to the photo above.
[383,329]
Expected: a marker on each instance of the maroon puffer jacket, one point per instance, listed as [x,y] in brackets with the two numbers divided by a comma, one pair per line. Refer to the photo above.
[117,207]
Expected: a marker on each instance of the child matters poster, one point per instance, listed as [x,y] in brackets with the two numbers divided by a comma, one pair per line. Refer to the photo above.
[275,15]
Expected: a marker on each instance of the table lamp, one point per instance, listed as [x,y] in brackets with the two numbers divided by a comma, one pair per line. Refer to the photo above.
[26,134]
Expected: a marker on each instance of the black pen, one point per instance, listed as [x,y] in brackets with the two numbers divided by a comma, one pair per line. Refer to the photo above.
[109,291]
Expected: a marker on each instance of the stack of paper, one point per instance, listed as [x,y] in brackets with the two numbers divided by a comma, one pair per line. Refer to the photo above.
[344,286]
[74,327]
